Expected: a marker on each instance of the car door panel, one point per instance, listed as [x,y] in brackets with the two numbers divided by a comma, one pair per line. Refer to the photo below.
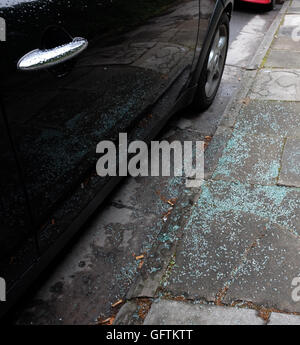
[137,50]
[18,250]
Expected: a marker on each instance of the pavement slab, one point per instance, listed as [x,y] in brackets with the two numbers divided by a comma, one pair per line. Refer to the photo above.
[166,312]
[290,22]
[284,319]
[294,9]
[280,59]
[277,84]
[223,227]
[265,277]
[286,43]
[272,118]
[290,169]
[250,158]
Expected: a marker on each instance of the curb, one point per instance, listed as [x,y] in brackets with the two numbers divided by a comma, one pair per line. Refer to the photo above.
[261,52]
[251,70]
[148,281]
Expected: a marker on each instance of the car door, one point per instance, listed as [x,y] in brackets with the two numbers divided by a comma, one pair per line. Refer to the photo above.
[18,249]
[58,112]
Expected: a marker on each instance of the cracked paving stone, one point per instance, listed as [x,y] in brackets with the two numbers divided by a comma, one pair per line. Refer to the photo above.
[290,169]
[225,223]
[207,257]
[250,159]
[276,84]
[166,312]
[265,278]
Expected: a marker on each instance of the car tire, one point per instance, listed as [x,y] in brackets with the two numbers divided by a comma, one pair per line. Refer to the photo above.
[213,68]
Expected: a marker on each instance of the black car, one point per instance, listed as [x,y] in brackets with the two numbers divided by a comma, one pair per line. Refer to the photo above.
[74,73]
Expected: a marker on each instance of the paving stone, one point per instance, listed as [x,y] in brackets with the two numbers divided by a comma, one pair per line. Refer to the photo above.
[280,59]
[275,118]
[276,85]
[291,22]
[210,252]
[167,312]
[284,319]
[286,43]
[250,158]
[265,277]
[290,166]
[293,9]
[225,223]
[128,315]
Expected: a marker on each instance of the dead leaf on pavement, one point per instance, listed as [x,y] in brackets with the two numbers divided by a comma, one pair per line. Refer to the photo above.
[207,140]
[139,257]
[246,100]
[144,307]
[108,322]
[264,314]
[172,202]
[166,215]
[117,303]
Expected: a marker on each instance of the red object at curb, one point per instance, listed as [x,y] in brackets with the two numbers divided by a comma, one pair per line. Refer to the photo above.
[265,2]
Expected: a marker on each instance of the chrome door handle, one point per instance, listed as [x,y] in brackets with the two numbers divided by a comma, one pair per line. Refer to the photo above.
[40,59]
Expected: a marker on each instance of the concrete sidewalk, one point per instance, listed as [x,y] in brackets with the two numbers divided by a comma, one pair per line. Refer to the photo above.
[233,256]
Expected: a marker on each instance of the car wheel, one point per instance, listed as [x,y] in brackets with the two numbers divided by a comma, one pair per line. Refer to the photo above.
[212,71]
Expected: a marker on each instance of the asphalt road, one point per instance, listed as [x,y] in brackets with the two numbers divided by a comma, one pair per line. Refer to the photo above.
[98,267]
